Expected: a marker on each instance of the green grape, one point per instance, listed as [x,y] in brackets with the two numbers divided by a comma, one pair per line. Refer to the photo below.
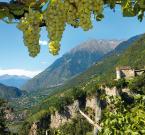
[58,13]
[55,24]
[30,27]
[74,12]
[70,13]
[84,14]
[54,47]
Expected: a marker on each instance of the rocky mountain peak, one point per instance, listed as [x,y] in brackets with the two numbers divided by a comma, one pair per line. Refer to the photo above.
[72,63]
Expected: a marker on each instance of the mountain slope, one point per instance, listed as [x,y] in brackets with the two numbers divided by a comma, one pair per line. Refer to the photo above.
[71,64]
[101,73]
[104,70]
[13,80]
[8,92]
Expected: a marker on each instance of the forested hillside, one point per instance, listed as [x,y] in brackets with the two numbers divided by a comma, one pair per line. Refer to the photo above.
[36,96]
[86,85]
[7,92]
[127,109]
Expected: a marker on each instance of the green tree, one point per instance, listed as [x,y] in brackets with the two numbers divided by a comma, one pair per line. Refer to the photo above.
[2,118]
[119,118]
[137,85]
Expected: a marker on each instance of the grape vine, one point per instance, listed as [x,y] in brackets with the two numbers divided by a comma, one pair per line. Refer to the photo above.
[59,13]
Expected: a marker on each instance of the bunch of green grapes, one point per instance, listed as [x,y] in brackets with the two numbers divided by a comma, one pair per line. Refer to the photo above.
[78,12]
[98,9]
[58,13]
[73,12]
[55,24]
[70,7]
[30,26]
[84,14]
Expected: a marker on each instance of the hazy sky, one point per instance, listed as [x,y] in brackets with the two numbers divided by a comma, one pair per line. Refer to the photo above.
[14,58]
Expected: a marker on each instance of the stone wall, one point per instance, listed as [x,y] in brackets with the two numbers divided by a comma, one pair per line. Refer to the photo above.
[139,72]
[111,91]
[128,73]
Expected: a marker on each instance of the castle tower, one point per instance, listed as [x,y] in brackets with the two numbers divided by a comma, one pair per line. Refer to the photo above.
[118,73]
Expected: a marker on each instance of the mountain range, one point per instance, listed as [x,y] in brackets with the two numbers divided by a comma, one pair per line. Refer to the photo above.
[13,80]
[71,64]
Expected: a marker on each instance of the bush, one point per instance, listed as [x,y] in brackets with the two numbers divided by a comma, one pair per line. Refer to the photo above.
[78,93]
[121,83]
[24,130]
[138,85]
[78,126]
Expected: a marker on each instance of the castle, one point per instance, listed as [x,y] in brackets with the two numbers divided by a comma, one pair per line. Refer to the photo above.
[128,72]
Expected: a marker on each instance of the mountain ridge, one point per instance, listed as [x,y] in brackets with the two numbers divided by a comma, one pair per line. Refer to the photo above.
[110,60]
[72,63]
[13,80]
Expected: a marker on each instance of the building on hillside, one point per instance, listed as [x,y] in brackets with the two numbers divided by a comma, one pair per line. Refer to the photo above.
[128,72]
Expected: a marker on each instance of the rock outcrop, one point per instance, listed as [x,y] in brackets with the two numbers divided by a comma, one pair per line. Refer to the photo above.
[61,118]
[71,111]
[111,91]
[91,102]
[33,130]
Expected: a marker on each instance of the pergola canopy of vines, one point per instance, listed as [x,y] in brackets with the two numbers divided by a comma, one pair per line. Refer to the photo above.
[31,15]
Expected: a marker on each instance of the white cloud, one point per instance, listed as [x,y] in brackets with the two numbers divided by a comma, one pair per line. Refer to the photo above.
[43,62]
[43,42]
[19,72]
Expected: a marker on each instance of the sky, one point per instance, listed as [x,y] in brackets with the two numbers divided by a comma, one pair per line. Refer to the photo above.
[14,58]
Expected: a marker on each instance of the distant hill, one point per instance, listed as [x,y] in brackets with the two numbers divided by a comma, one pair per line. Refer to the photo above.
[71,64]
[13,80]
[7,92]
